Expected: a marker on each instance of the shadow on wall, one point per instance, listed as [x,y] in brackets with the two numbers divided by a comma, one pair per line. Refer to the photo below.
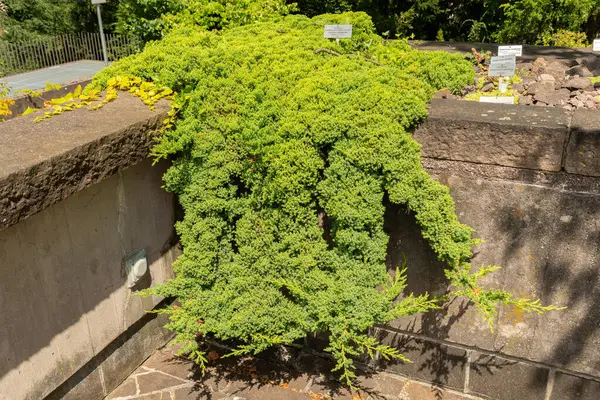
[547,241]
[566,264]
[63,290]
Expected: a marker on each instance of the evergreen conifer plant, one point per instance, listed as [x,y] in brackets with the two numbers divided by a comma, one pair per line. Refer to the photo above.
[277,130]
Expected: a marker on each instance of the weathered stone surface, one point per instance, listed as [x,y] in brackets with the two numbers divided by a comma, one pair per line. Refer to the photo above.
[547,78]
[543,230]
[90,387]
[554,98]
[578,84]
[488,87]
[24,101]
[440,364]
[579,70]
[557,69]
[503,379]
[499,134]
[569,387]
[525,100]
[154,381]
[45,163]
[583,151]
[134,350]
[540,87]
[127,388]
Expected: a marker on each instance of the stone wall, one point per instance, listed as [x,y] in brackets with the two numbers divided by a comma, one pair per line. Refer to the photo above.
[527,180]
[77,197]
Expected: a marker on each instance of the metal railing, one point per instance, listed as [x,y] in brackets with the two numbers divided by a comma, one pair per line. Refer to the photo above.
[49,51]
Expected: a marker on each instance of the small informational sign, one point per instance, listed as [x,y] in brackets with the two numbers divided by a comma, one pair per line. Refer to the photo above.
[596,45]
[98,1]
[497,99]
[514,50]
[502,66]
[338,31]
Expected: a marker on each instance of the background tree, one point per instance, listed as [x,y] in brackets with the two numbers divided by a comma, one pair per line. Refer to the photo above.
[26,19]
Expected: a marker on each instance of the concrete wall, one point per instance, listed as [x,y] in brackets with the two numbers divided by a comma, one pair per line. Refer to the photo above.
[527,180]
[78,195]
[73,209]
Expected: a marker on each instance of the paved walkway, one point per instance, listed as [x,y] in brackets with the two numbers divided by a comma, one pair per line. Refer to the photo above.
[62,74]
[166,377]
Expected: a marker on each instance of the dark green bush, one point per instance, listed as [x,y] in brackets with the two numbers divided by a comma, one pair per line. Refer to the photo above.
[272,139]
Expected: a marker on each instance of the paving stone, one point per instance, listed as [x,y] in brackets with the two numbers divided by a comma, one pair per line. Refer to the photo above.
[156,381]
[127,388]
[194,392]
[567,387]
[165,361]
[155,396]
[503,379]
[418,391]
[261,392]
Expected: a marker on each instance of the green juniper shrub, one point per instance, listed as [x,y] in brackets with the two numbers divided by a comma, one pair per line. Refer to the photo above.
[273,136]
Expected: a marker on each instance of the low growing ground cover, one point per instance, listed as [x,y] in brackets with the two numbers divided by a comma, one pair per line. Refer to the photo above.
[285,148]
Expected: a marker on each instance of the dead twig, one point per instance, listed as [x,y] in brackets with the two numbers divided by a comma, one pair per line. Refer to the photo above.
[335,53]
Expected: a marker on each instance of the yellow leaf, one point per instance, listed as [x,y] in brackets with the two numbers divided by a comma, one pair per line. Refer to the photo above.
[29,111]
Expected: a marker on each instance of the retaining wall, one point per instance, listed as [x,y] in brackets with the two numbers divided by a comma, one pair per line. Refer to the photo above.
[77,196]
[526,178]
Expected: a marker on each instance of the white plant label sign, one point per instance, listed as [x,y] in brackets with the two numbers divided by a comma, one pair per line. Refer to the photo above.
[497,99]
[596,45]
[338,31]
[502,66]
[98,1]
[514,50]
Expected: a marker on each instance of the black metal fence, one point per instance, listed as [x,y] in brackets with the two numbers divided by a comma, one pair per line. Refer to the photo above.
[49,51]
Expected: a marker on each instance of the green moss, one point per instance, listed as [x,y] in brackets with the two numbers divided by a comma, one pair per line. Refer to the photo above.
[271,135]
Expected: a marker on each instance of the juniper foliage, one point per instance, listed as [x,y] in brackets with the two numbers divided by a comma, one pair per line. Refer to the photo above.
[273,135]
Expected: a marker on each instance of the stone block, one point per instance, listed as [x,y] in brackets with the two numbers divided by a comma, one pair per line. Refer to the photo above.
[432,362]
[502,379]
[545,238]
[87,386]
[133,347]
[498,134]
[79,149]
[569,387]
[583,151]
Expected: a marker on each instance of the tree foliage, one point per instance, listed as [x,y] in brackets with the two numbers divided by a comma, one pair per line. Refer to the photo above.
[526,21]
[286,149]
[150,19]
[27,19]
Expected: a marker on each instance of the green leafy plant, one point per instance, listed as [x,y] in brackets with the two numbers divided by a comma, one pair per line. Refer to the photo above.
[284,147]
[564,38]
[5,102]
[151,19]
[530,21]
[440,35]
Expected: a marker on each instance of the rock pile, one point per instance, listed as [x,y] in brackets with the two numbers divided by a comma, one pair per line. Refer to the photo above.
[564,83]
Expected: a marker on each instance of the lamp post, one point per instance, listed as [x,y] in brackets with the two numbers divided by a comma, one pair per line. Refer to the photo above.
[102,39]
